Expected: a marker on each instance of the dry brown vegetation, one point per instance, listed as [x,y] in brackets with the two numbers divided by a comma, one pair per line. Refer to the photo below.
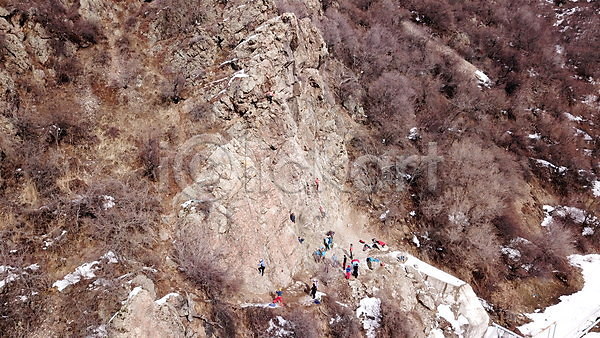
[401,70]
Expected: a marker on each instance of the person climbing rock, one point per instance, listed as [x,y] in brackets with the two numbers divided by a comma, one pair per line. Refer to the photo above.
[278,299]
[293,217]
[326,243]
[313,289]
[317,183]
[345,260]
[351,251]
[269,95]
[261,267]
[329,242]
[348,270]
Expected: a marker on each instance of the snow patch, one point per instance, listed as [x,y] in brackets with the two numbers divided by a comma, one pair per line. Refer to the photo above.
[416,241]
[596,189]
[483,79]
[279,327]
[427,269]
[573,117]
[413,134]
[84,271]
[108,203]
[512,253]
[369,311]
[587,231]
[575,312]
[547,164]
[110,257]
[164,299]
[535,136]
[445,312]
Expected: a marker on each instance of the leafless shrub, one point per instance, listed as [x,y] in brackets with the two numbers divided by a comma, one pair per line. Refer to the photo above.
[345,323]
[150,157]
[397,323]
[200,263]
[303,324]
[257,319]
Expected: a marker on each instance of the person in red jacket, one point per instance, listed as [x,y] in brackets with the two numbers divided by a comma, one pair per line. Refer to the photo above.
[348,271]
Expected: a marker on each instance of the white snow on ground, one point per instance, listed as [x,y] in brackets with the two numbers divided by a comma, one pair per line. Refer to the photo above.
[512,253]
[547,217]
[587,231]
[535,136]
[244,305]
[445,312]
[574,312]
[279,327]
[483,79]
[238,74]
[369,311]
[413,134]
[84,271]
[573,117]
[596,189]
[547,164]
[166,297]
[436,333]
[586,136]
[109,202]
[577,215]
[49,243]
[427,269]
[416,241]
[10,276]
[110,257]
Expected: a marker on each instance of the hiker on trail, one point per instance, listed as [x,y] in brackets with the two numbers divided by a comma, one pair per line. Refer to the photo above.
[317,183]
[261,267]
[351,250]
[269,95]
[355,270]
[329,242]
[313,289]
[348,269]
[293,217]
[345,260]
[317,255]
[326,243]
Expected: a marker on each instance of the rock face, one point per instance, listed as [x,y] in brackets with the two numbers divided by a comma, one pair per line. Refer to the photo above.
[280,131]
[264,165]
[142,316]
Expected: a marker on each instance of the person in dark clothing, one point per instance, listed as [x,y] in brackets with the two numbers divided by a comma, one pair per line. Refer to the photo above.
[293,217]
[345,260]
[261,267]
[313,291]
[300,239]
[355,271]
[351,249]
